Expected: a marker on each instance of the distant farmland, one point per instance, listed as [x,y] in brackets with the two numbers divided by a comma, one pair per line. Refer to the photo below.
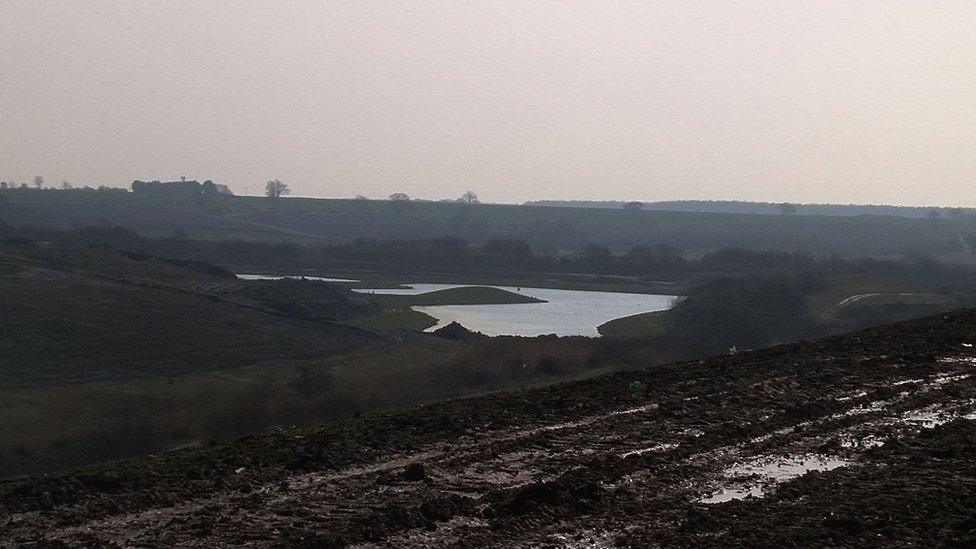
[553,229]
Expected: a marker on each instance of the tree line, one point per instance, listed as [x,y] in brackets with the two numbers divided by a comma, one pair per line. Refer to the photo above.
[660,262]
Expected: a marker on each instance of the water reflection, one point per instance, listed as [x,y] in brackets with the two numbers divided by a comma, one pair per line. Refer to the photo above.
[565,313]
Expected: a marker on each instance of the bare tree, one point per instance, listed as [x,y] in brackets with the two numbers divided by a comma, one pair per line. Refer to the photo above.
[38,181]
[399,197]
[65,185]
[275,188]
[361,197]
[469,198]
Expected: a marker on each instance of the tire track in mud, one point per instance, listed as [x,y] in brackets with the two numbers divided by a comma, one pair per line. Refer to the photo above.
[140,526]
[764,461]
[676,448]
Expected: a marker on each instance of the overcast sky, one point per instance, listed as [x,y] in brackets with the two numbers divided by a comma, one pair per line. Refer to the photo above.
[860,101]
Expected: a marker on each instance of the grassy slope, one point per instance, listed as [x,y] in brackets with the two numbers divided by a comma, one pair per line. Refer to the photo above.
[315,220]
[403,319]
[64,322]
[843,293]
[640,325]
[105,356]
[82,422]
[397,313]
[469,295]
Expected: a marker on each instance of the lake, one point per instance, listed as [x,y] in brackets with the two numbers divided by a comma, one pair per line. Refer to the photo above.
[565,313]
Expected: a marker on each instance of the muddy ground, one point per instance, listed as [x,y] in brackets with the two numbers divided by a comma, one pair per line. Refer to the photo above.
[867,439]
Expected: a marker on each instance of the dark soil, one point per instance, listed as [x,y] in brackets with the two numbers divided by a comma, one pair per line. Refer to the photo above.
[581,464]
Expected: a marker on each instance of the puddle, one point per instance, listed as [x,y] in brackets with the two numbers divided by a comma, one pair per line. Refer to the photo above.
[927,419]
[783,468]
[959,359]
[862,443]
[935,415]
[906,382]
[754,478]
[856,395]
[593,419]
[656,448]
[730,494]
[589,539]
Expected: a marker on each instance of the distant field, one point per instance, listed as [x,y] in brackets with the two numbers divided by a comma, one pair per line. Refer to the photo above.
[635,326]
[765,208]
[397,318]
[844,292]
[468,295]
[555,281]
[310,221]
[397,312]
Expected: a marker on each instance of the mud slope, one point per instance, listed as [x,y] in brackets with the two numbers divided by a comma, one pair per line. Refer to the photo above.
[867,439]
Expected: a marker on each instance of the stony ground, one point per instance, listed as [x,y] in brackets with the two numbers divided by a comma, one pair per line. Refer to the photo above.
[867,439]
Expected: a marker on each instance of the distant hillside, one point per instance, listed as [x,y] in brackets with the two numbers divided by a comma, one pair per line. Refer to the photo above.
[765,208]
[548,229]
[107,353]
[95,314]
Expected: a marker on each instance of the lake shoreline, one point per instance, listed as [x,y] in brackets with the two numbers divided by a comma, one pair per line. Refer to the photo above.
[558,312]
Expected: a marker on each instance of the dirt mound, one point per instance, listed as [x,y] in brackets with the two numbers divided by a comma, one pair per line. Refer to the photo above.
[457,332]
[566,491]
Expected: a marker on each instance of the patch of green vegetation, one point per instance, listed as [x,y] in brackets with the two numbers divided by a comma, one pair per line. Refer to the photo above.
[397,312]
[635,326]
[404,319]
[636,389]
[467,295]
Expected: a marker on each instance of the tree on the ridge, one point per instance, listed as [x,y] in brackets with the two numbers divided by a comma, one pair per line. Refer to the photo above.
[275,188]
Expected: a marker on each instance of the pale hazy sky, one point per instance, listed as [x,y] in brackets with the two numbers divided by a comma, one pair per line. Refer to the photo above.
[859,101]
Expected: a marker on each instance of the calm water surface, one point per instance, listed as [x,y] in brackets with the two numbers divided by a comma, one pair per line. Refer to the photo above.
[566,313]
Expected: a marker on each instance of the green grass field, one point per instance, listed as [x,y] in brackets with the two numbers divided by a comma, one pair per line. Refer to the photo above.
[468,295]
[643,325]
[403,319]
